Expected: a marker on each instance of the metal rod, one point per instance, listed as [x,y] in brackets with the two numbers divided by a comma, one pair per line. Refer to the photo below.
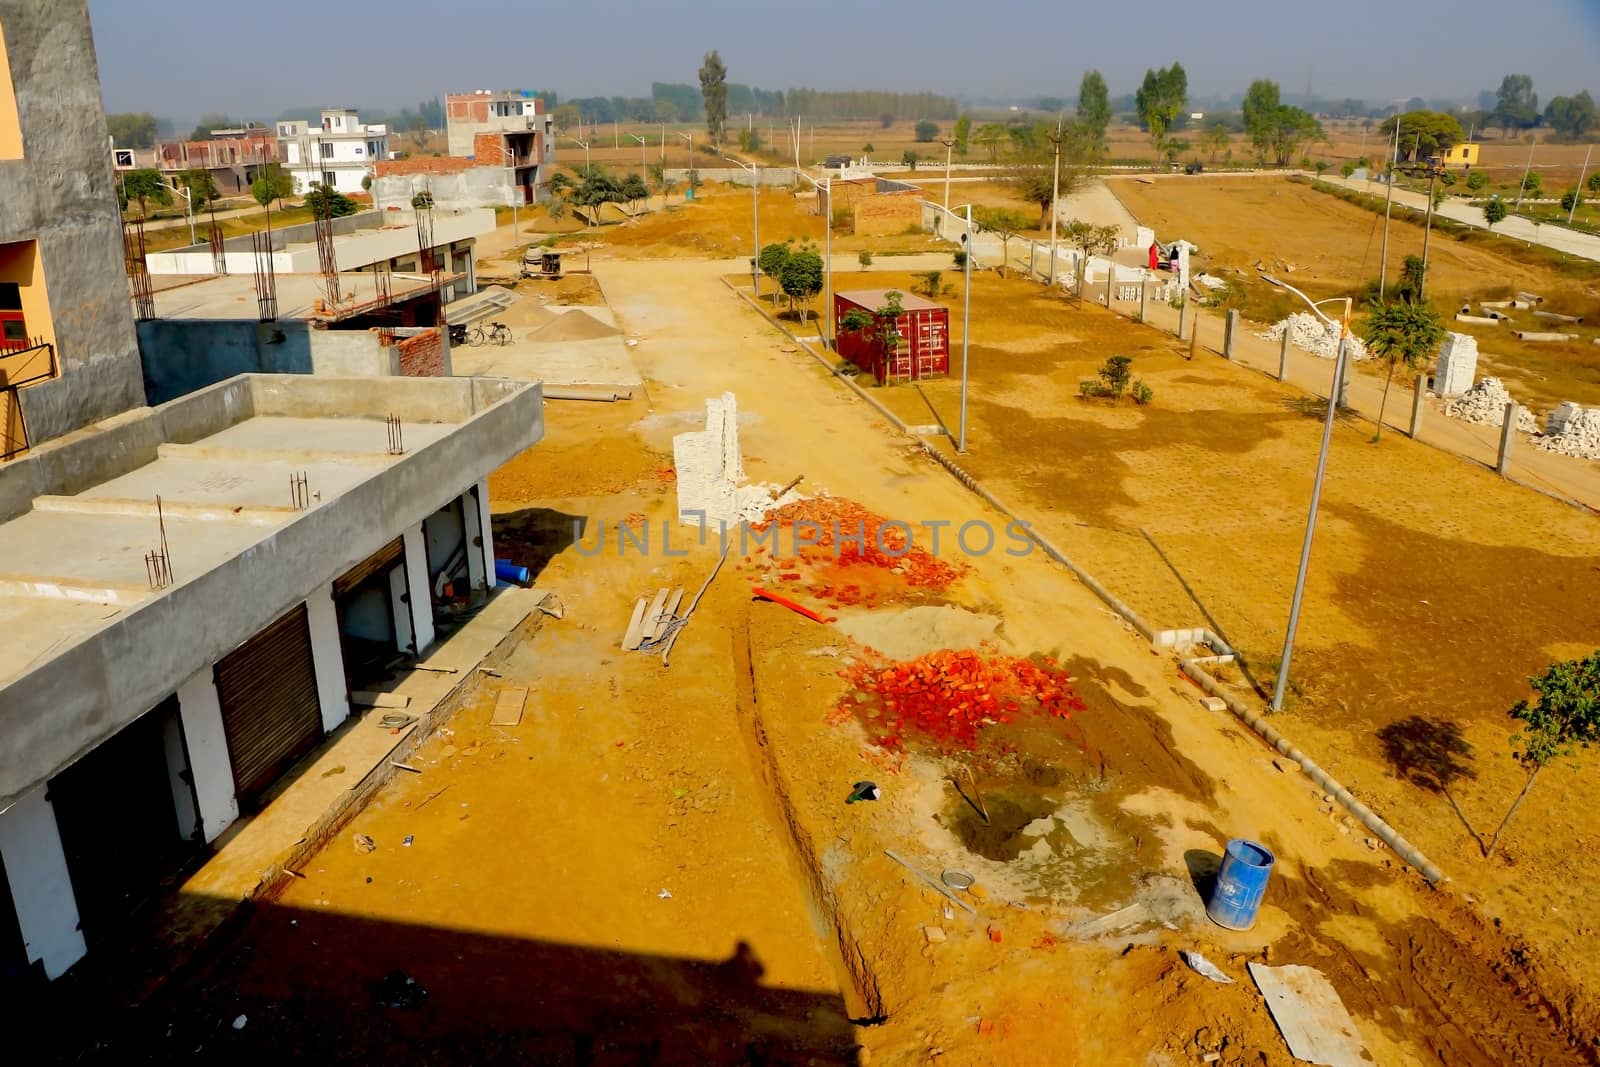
[1388,199]
[1577,194]
[966,329]
[1528,168]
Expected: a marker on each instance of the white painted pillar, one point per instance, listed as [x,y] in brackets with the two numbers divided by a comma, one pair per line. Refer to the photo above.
[326,658]
[41,888]
[472,523]
[416,568]
[209,765]
[179,775]
[486,527]
[400,604]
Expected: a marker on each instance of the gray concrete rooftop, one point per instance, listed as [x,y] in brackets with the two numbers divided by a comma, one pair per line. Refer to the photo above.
[90,645]
[233,296]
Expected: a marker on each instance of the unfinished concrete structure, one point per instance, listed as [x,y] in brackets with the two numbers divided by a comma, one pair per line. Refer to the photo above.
[191,594]
[337,153]
[508,129]
[68,355]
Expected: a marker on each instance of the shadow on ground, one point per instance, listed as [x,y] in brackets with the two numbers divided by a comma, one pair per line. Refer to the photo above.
[314,987]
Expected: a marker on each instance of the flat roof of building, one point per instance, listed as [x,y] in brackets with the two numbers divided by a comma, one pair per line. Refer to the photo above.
[233,296]
[92,642]
[874,299]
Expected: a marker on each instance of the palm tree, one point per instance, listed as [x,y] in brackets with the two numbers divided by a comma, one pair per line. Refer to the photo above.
[1402,333]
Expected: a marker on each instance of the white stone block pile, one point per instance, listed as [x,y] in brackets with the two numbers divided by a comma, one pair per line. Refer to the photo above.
[1310,334]
[1577,435]
[710,467]
[1485,404]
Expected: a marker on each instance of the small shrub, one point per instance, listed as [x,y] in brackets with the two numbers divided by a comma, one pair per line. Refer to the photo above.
[1347,168]
[1115,373]
[960,257]
[844,218]
[1142,394]
[1089,387]
[865,259]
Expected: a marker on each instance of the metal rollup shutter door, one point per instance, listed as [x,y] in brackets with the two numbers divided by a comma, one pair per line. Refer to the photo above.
[270,712]
[381,561]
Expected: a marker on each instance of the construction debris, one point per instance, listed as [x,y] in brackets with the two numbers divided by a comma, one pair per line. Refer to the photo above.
[1312,1019]
[928,881]
[508,707]
[1536,335]
[1204,967]
[1551,316]
[1572,431]
[1531,298]
[1311,334]
[1485,405]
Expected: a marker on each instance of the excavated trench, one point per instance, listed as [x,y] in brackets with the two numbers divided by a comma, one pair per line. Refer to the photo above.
[863,998]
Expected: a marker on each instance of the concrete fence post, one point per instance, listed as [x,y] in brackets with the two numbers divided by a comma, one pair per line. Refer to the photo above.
[1183,316]
[1033,256]
[1421,389]
[1144,299]
[1230,331]
[1194,337]
[1283,357]
[1508,436]
[1111,280]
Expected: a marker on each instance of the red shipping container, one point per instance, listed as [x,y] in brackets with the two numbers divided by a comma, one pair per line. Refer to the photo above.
[924,327]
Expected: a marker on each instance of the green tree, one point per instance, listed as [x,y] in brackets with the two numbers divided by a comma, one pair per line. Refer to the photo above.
[772,258]
[931,281]
[1094,111]
[1035,178]
[1004,222]
[991,135]
[597,188]
[212,120]
[1277,130]
[1516,105]
[909,159]
[961,134]
[1533,185]
[1477,181]
[1570,200]
[886,119]
[326,203]
[273,183]
[201,185]
[1594,183]
[145,185]
[634,190]
[1564,718]
[1494,212]
[1424,133]
[926,131]
[801,278]
[1572,117]
[1214,139]
[749,140]
[132,129]
[714,95]
[1402,334]
[1161,99]
[1052,104]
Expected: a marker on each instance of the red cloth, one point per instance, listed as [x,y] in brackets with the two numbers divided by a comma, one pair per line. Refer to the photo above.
[1155,256]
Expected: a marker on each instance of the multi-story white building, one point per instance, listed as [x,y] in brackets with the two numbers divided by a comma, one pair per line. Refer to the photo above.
[339,153]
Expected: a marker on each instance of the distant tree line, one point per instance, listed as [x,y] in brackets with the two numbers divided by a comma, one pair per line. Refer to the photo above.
[682,102]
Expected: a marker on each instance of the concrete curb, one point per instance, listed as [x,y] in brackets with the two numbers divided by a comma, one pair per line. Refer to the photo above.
[1369,818]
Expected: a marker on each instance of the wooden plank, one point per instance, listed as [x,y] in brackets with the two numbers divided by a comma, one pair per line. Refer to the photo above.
[635,631]
[670,608]
[1310,1015]
[508,707]
[362,698]
[652,615]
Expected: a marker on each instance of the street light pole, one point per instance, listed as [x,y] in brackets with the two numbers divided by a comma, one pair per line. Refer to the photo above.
[585,146]
[755,222]
[1055,195]
[948,147]
[966,326]
[188,207]
[1577,194]
[689,171]
[1316,485]
[643,166]
[825,196]
[1388,199]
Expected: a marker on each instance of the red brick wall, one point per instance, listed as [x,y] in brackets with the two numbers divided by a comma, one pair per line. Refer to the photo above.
[490,149]
[422,356]
[422,165]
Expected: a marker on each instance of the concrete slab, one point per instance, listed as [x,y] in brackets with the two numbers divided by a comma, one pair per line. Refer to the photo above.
[325,435]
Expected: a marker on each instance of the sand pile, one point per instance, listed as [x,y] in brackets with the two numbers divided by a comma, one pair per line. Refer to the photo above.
[572,326]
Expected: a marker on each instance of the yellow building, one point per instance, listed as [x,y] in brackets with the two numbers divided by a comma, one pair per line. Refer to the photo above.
[1463,155]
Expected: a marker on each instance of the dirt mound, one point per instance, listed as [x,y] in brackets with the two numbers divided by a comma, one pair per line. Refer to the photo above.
[573,326]
[526,312]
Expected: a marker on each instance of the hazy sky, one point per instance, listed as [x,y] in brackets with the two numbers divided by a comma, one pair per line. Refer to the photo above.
[180,58]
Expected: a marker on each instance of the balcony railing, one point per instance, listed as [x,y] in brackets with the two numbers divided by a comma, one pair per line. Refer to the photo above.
[26,362]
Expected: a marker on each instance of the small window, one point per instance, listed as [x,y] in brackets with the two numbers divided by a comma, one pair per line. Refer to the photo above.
[328,179]
[327,150]
[10,296]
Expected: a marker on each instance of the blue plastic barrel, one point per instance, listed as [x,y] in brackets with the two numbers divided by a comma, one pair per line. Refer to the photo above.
[507,571]
[1241,883]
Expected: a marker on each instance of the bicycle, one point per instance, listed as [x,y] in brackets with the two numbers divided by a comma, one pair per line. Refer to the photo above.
[497,333]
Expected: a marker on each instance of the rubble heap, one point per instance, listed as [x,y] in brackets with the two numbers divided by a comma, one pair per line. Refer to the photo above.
[1310,334]
[1485,404]
[1580,437]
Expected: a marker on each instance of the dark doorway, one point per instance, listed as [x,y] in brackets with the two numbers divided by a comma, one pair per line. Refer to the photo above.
[119,825]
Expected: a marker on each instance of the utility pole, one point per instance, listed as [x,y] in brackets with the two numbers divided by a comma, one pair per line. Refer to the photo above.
[1427,229]
[1055,195]
[1388,200]
[827,264]
[966,327]
[1525,170]
[1577,194]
